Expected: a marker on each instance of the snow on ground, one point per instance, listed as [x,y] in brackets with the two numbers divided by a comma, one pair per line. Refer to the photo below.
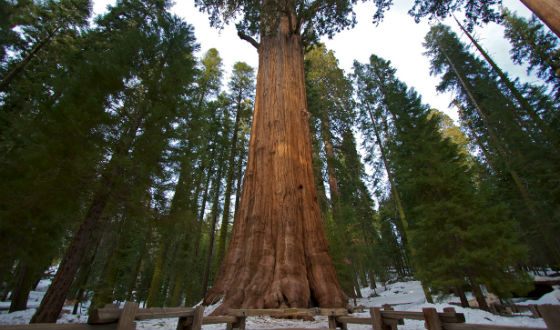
[549,298]
[403,296]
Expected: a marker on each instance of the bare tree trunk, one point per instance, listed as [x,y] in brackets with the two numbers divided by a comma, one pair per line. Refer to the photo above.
[278,254]
[548,11]
[329,152]
[216,185]
[22,288]
[461,294]
[392,182]
[371,279]
[229,183]
[480,299]
[427,293]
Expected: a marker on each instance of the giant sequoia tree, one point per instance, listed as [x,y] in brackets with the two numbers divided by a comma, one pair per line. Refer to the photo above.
[278,252]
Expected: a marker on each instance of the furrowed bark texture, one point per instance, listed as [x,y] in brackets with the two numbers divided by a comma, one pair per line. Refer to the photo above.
[548,11]
[278,254]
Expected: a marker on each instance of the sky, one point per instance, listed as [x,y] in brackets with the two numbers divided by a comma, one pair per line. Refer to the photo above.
[398,39]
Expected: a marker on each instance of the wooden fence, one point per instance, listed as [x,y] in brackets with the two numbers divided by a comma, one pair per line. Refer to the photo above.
[113,318]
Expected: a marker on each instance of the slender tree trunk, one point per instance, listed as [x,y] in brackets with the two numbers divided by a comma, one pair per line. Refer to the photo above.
[461,294]
[229,183]
[371,278]
[22,288]
[329,152]
[79,297]
[56,294]
[548,11]
[206,188]
[480,299]
[278,255]
[215,209]
[84,273]
[154,292]
[427,293]
[238,185]
[392,182]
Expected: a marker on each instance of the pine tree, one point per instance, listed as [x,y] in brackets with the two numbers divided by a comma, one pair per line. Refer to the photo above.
[241,89]
[521,156]
[330,106]
[181,230]
[42,25]
[137,120]
[454,236]
[531,44]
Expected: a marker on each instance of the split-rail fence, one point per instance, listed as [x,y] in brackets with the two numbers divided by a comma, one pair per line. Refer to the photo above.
[111,317]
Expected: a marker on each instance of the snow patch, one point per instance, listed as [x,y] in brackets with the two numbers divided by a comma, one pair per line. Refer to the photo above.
[403,296]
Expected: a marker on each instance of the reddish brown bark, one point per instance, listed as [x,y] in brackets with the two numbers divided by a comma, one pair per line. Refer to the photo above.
[548,11]
[278,254]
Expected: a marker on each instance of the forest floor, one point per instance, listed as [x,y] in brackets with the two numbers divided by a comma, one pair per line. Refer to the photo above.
[403,296]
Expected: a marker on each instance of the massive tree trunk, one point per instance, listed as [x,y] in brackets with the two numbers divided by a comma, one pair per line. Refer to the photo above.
[278,254]
[548,11]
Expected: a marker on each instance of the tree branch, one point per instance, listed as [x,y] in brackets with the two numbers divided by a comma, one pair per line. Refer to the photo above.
[248,39]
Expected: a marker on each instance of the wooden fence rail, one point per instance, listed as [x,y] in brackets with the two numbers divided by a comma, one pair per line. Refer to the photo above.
[113,318]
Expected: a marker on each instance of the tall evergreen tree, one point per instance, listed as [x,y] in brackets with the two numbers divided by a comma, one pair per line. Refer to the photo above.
[41,25]
[473,243]
[521,156]
[531,44]
[330,106]
[241,90]
[146,49]
[181,231]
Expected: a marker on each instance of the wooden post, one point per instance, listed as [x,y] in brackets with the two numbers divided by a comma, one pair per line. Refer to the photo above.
[391,324]
[534,311]
[241,322]
[197,318]
[550,315]
[126,320]
[432,319]
[376,318]
[450,310]
[185,323]
[332,322]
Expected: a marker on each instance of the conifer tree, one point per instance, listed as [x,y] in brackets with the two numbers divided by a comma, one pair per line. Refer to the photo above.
[531,44]
[524,157]
[181,231]
[137,114]
[241,89]
[330,105]
[439,195]
[42,24]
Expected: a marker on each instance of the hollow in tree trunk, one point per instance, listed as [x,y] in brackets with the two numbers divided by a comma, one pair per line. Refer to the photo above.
[278,255]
